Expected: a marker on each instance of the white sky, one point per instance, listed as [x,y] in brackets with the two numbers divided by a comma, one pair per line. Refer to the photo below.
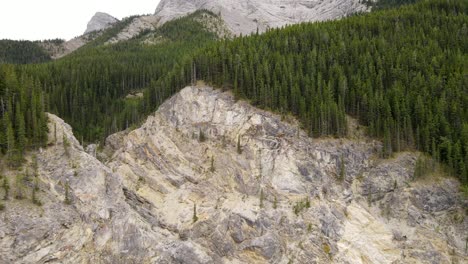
[48,19]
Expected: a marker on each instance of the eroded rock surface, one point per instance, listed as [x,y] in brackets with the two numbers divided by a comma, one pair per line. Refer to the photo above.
[263,192]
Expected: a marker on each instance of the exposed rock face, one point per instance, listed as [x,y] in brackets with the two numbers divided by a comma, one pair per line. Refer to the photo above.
[100,21]
[138,25]
[246,16]
[262,190]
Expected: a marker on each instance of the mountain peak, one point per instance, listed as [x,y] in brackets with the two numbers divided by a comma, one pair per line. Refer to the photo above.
[100,21]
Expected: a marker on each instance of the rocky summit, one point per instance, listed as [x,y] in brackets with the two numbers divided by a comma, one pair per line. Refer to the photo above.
[99,22]
[208,179]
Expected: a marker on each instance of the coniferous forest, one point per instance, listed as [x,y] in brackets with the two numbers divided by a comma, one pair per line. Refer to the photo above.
[23,123]
[400,71]
[22,52]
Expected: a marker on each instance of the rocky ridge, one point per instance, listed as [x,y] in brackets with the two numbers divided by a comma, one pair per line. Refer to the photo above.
[246,16]
[208,179]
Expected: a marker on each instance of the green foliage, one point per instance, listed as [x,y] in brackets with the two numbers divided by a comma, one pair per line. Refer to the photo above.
[19,187]
[400,72]
[239,147]
[194,217]
[262,198]
[342,171]
[88,88]
[22,52]
[301,205]
[23,123]
[66,144]
[212,168]
[34,197]
[67,200]
[201,136]
[326,248]
[385,4]
[6,188]
[424,167]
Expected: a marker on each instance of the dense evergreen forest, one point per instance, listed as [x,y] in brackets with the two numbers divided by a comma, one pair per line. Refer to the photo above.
[384,4]
[23,122]
[22,52]
[89,87]
[401,72]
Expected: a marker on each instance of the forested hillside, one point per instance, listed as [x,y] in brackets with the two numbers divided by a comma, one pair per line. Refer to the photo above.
[23,122]
[401,72]
[89,87]
[22,52]
[384,4]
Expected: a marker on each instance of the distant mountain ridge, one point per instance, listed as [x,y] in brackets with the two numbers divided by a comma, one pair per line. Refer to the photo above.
[246,16]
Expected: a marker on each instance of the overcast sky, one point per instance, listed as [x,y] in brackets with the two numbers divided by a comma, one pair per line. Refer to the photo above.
[47,19]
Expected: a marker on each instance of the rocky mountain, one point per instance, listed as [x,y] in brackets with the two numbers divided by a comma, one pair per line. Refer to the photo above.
[100,21]
[246,16]
[208,179]
[236,17]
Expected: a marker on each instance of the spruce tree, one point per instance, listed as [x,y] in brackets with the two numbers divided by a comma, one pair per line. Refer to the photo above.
[6,187]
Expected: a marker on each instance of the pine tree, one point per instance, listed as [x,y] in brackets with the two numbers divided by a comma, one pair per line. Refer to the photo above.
[11,151]
[239,148]
[34,197]
[201,136]
[66,145]
[6,187]
[342,174]
[19,187]
[21,130]
[67,200]
[212,168]
[262,197]
[194,217]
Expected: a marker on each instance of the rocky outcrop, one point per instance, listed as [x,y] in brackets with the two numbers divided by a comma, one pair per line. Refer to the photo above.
[208,179]
[136,26]
[100,21]
[247,16]
[266,193]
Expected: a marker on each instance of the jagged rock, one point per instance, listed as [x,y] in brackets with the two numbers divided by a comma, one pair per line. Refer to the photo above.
[100,21]
[167,195]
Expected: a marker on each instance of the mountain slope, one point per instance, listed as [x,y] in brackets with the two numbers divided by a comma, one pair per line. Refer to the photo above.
[208,179]
[376,67]
[246,16]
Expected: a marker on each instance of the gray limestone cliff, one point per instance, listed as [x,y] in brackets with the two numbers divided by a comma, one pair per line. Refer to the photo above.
[100,21]
[208,179]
